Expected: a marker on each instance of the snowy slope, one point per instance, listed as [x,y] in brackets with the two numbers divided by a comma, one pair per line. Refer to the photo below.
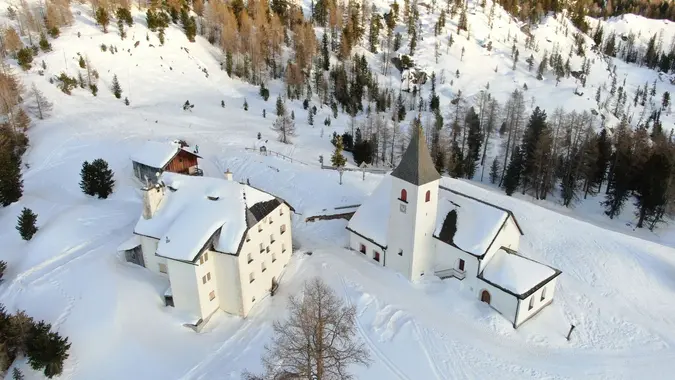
[617,288]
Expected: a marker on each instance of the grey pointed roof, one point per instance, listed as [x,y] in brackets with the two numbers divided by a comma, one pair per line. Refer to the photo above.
[416,166]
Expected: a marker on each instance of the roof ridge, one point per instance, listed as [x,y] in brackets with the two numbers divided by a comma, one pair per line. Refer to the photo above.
[416,165]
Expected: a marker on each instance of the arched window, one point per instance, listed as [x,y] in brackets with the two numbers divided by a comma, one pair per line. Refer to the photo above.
[404,195]
[427,198]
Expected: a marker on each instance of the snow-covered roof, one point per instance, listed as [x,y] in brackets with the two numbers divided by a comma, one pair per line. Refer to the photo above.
[201,209]
[477,222]
[131,243]
[371,219]
[157,154]
[516,273]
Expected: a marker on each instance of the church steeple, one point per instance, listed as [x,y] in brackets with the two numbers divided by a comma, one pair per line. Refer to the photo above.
[416,166]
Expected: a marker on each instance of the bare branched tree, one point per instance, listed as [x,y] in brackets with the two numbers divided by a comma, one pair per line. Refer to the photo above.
[285,127]
[39,105]
[318,340]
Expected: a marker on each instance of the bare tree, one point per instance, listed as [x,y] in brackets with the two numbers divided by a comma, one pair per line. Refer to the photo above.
[39,106]
[285,127]
[317,341]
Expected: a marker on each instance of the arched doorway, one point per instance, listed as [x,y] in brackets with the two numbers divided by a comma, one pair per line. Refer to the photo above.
[485,296]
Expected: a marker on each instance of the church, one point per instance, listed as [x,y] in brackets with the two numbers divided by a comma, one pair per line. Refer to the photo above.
[414,225]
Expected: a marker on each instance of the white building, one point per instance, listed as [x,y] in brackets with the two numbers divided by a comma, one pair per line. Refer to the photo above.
[415,226]
[221,244]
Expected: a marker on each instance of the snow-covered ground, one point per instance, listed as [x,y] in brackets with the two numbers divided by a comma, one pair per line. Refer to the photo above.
[617,284]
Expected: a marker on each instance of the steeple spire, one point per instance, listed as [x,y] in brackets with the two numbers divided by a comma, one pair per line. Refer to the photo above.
[416,166]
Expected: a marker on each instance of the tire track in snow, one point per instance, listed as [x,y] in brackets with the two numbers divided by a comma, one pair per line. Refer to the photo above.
[359,327]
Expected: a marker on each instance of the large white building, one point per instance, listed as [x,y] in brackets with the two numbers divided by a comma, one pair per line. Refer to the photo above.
[221,244]
[415,226]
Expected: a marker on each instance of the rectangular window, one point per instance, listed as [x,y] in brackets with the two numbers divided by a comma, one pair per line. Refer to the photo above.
[262,247]
[162,268]
[400,252]
[251,277]
[274,257]
[543,293]
[271,238]
[362,249]
[531,304]
[271,221]
[201,260]
[461,264]
[248,238]
[206,256]
[212,295]
[282,229]
[283,247]
[263,267]
[208,276]
[252,299]
[250,259]
[281,211]
[267,249]
[376,256]
[260,227]
[203,279]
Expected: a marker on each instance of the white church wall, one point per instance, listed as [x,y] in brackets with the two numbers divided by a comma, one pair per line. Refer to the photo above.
[410,245]
[153,262]
[228,283]
[506,304]
[508,236]
[524,311]
[447,257]
[355,242]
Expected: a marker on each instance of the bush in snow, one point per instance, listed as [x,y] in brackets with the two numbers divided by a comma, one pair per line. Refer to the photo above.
[44,43]
[264,92]
[26,225]
[97,178]
[245,105]
[25,58]
[126,101]
[66,83]
[94,89]
[82,63]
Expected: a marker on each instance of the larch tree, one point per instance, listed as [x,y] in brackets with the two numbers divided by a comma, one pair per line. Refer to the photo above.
[318,340]
[337,159]
[12,41]
[40,106]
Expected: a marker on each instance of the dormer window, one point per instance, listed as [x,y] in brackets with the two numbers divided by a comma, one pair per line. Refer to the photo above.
[404,195]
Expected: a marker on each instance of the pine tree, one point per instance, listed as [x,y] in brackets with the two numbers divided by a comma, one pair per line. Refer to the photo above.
[325,53]
[103,178]
[11,184]
[280,106]
[102,18]
[665,101]
[337,159]
[652,188]
[26,224]
[619,182]
[25,58]
[513,172]
[494,170]
[46,350]
[44,43]
[310,117]
[16,374]
[116,88]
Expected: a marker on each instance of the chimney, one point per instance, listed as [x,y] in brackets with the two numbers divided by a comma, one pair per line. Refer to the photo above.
[228,175]
[152,197]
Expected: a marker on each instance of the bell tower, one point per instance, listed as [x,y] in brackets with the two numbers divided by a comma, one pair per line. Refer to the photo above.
[413,207]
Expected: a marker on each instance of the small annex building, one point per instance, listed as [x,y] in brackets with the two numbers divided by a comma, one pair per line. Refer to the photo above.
[156,157]
[416,226]
[221,244]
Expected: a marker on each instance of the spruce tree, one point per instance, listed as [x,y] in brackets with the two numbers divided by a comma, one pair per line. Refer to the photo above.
[46,350]
[494,170]
[88,181]
[26,224]
[325,53]
[44,43]
[652,188]
[116,88]
[103,178]
[102,18]
[281,108]
[310,117]
[11,184]
[513,172]
[619,182]
[16,374]
[337,159]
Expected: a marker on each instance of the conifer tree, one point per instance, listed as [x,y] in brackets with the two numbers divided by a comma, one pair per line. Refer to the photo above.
[44,43]
[619,183]
[310,117]
[16,374]
[245,105]
[11,184]
[88,179]
[25,58]
[103,178]
[513,172]
[337,159]
[26,224]
[126,101]
[325,53]
[102,18]
[494,170]
[3,268]
[652,188]
[46,350]
[116,88]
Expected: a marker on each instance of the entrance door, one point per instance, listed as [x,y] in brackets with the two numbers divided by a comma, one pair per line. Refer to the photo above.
[461,264]
[485,297]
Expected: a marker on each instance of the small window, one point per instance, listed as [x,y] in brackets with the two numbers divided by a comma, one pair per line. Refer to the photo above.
[400,252]
[460,265]
[271,221]
[262,247]
[271,238]
[282,229]
[212,295]
[206,256]
[252,299]
[274,257]
[267,249]
[260,227]
[201,260]
[263,267]
[404,195]
[281,211]
[376,256]
[362,249]
[283,247]
[543,293]
[248,237]
[251,277]
[208,276]
[203,279]
[531,304]
[249,258]
[427,197]
[162,268]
